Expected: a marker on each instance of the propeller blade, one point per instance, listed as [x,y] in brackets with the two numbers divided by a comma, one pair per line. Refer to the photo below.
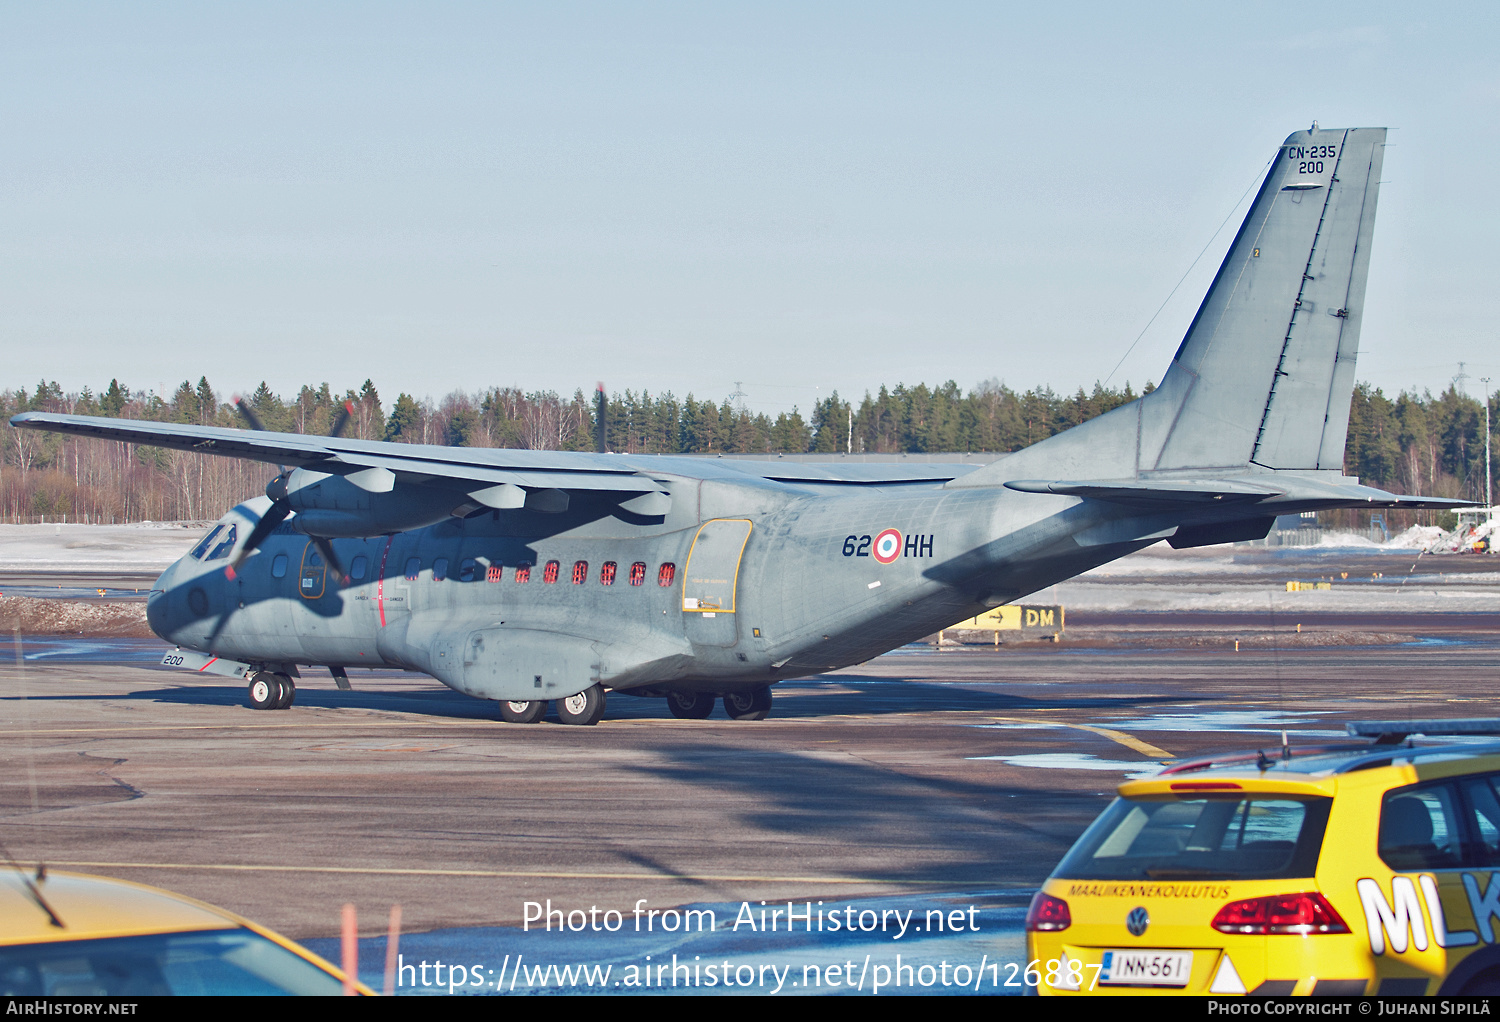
[340,423]
[248,414]
[325,547]
[273,517]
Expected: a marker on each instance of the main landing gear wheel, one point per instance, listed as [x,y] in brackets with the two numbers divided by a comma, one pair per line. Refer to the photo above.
[288,692]
[752,705]
[523,712]
[587,707]
[690,705]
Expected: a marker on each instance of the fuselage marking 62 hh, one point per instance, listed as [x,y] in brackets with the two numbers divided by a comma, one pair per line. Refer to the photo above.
[532,577]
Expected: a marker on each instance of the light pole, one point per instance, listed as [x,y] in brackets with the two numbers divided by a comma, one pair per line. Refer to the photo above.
[1489,509]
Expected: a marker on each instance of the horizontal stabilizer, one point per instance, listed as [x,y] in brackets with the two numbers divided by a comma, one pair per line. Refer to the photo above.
[1131,491]
[1279,490]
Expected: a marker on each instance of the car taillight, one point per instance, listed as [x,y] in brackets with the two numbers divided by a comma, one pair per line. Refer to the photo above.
[1047,913]
[1280,913]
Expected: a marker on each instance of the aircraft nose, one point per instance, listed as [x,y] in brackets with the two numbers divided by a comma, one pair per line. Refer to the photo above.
[157,615]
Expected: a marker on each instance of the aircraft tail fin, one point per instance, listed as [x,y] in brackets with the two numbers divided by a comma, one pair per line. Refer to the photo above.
[1265,372]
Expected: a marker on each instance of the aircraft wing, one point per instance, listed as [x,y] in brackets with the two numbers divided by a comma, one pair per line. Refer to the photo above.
[821,475]
[563,470]
[415,463]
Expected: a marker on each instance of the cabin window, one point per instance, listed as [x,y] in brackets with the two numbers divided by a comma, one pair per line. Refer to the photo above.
[466,569]
[225,545]
[638,573]
[413,568]
[549,573]
[523,573]
[278,566]
[203,544]
[580,572]
[440,569]
[358,568]
[665,574]
[493,573]
[607,573]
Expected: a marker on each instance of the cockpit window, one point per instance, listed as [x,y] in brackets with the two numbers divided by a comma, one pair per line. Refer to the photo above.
[225,545]
[203,544]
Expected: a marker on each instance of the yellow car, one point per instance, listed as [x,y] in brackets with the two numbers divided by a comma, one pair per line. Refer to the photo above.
[67,935]
[1344,871]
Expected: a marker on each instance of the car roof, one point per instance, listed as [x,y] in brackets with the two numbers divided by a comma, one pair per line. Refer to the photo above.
[92,907]
[1312,769]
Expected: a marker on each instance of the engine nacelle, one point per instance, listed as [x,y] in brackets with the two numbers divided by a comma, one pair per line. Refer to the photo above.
[365,503]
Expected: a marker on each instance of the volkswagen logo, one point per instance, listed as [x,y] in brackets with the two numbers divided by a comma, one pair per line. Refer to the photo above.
[1137,921]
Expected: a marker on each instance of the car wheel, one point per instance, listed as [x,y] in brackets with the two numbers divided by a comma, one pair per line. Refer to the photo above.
[1486,984]
[587,707]
[752,705]
[690,705]
[527,711]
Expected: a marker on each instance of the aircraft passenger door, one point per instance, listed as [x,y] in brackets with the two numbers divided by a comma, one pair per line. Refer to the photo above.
[313,578]
[709,580]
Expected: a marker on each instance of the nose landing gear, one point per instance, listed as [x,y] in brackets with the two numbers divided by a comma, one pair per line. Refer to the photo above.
[268,691]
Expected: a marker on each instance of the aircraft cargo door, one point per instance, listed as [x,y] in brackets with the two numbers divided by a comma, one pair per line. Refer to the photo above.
[708,582]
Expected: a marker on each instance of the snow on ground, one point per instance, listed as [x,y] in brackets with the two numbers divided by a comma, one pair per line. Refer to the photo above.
[1430,539]
[68,617]
[145,546]
[1259,597]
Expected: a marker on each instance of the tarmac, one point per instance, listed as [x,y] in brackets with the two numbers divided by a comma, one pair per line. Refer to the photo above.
[949,777]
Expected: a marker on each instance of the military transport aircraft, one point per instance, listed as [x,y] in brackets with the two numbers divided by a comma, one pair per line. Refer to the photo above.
[530,577]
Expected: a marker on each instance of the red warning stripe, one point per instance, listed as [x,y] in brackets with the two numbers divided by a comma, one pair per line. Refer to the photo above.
[380,579]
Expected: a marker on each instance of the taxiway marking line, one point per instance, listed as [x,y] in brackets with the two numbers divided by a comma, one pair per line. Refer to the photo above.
[234,727]
[1127,740]
[333,724]
[483,873]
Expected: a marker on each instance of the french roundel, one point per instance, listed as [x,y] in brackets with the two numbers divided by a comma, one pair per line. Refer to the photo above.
[887,546]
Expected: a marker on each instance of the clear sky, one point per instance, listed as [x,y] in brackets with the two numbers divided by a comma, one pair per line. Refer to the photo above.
[800,196]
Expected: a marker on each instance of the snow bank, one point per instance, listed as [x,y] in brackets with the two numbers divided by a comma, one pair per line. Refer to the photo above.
[1433,540]
[145,546]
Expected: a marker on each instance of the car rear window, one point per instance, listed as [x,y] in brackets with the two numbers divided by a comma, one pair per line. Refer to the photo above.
[1217,837]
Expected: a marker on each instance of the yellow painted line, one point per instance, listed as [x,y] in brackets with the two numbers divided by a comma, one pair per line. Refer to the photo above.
[498,874]
[1127,740]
